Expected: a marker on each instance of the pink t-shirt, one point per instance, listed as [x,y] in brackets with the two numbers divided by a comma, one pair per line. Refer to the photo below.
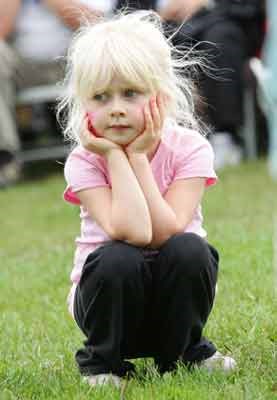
[181,154]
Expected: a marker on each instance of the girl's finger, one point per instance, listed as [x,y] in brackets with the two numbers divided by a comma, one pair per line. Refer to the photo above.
[85,128]
[148,119]
[155,114]
[161,107]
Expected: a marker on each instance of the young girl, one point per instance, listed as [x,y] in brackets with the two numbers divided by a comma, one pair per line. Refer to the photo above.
[144,275]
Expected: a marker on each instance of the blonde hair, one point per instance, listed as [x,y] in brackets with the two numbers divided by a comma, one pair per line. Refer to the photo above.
[134,47]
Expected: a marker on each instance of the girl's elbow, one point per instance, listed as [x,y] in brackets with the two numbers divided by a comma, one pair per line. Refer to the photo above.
[145,240]
[137,238]
[178,228]
[140,239]
[162,236]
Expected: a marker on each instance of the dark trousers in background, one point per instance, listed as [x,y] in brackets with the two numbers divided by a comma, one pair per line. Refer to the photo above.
[221,85]
[130,305]
[227,42]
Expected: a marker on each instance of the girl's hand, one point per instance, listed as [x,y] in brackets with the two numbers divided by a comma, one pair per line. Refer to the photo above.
[154,115]
[96,144]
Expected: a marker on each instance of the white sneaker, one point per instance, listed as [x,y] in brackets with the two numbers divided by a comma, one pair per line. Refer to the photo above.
[235,155]
[219,361]
[226,152]
[103,379]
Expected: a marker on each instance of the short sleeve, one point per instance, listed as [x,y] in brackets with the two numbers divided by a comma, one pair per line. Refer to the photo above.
[198,161]
[81,173]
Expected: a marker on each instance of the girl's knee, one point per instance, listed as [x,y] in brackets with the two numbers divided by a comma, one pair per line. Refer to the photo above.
[188,252]
[120,261]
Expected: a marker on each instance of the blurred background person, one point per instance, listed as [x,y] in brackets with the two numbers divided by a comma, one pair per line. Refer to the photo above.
[33,35]
[266,71]
[230,32]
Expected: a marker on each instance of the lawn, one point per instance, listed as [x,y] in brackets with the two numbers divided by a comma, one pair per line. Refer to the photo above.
[38,338]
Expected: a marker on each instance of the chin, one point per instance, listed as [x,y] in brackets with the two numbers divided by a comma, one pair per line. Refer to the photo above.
[122,141]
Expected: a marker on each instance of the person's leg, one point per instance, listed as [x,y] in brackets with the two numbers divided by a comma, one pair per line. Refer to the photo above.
[109,307]
[8,134]
[220,84]
[225,45]
[9,140]
[17,74]
[184,280]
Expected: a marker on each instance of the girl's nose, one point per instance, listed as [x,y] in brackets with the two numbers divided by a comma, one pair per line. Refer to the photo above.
[117,108]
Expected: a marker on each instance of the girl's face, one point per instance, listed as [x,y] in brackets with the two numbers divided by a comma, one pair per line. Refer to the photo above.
[117,112]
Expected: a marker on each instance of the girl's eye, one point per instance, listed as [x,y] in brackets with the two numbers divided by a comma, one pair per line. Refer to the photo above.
[100,97]
[130,93]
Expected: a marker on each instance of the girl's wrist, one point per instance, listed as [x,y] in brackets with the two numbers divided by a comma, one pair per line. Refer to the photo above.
[136,155]
[138,159]
[114,152]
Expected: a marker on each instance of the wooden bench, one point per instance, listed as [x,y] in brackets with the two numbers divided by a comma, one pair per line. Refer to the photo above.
[39,95]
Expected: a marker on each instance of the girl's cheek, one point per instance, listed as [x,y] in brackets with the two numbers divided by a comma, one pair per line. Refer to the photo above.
[142,114]
[140,109]
[92,117]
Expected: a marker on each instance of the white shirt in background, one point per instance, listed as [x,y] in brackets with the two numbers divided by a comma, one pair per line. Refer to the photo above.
[40,35]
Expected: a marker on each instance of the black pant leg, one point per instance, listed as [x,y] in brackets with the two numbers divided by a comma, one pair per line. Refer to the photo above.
[225,46]
[184,280]
[110,308]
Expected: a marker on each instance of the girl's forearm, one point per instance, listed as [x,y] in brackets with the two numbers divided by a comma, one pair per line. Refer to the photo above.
[130,217]
[164,221]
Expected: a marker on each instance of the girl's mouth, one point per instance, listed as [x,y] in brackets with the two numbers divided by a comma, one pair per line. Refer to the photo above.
[118,127]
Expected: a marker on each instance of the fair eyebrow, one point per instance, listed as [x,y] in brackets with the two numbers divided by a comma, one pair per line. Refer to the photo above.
[121,88]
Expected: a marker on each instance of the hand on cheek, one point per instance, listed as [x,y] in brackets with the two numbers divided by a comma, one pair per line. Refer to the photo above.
[153,121]
[161,104]
[155,113]
[92,141]
[91,129]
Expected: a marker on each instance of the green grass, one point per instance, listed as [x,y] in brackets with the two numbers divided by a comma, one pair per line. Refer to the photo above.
[38,338]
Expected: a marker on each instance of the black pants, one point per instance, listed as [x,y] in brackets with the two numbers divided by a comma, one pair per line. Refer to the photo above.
[224,92]
[130,305]
[223,43]
[227,43]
